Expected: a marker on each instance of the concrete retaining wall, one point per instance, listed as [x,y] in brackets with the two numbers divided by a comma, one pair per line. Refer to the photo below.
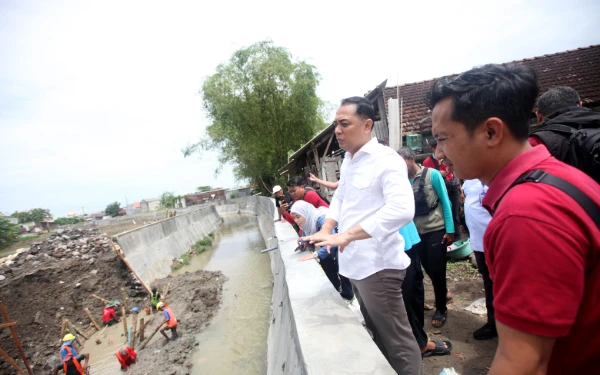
[312,330]
[150,249]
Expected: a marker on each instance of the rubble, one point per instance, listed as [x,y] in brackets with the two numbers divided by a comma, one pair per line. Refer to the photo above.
[64,243]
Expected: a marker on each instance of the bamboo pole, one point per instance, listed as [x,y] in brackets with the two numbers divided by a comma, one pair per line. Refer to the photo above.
[12,362]
[135,321]
[142,327]
[124,319]
[71,325]
[128,266]
[89,314]
[14,334]
[104,301]
[125,298]
[149,338]
[166,292]
[74,332]
[62,332]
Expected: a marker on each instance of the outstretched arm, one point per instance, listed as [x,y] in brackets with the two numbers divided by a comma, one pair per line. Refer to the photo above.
[327,184]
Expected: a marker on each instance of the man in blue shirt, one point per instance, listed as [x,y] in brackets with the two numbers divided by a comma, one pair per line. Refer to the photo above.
[433,218]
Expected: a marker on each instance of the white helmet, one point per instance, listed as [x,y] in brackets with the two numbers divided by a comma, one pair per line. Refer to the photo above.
[276,189]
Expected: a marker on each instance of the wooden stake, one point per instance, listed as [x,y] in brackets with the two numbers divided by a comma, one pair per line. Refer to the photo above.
[166,292]
[71,325]
[14,334]
[124,319]
[89,314]
[12,362]
[125,298]
[74,332]
[142,327]
[62,332]
[135,321]
[149,338]
[104,301]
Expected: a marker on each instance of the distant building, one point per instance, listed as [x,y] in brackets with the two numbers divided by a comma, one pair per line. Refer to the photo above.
[134,208]
[238,192]
[204,197]
[150,204]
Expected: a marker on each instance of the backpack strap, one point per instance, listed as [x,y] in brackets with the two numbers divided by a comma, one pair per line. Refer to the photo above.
[562,129]
[540,176]
[422,179]
[436,164]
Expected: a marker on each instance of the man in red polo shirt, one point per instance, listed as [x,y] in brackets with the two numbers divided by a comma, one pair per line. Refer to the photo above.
[299,192]
[543,246]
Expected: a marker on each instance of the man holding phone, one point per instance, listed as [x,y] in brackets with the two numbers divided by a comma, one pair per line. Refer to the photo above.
[433,218]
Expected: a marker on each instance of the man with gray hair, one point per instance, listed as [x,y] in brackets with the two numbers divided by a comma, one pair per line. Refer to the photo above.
[569,131]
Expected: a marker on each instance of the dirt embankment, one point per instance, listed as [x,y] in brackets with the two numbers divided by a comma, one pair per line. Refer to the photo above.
[194,299]
[55,279]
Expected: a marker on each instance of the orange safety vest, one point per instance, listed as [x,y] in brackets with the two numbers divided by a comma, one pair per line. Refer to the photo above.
[172,319]
[75,362]
[122,360]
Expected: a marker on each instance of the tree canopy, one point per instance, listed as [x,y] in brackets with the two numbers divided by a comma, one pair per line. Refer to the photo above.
[203,188]
[69,220]
[8,232]
[35,214]
[262,104]
[113,209]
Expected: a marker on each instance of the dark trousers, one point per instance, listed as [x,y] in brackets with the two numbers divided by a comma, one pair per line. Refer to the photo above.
[340,283]
[380,298]
[433,259]
[454,195]
[488,285]
[414,296]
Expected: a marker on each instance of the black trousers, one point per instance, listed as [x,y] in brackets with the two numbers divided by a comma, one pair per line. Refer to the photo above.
[488,285]
[414,296]
[340,283]
[433,259]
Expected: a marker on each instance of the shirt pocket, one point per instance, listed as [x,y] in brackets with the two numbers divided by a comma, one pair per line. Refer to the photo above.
[363,179]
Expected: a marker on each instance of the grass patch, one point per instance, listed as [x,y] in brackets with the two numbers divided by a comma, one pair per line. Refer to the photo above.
[185,259]
[176,266]
[26,238]
[461,268]
[199,247]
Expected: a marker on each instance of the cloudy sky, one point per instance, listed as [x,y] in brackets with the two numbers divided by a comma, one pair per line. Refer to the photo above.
[97,98]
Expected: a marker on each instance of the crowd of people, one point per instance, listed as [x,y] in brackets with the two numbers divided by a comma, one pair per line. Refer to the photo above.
[531,207]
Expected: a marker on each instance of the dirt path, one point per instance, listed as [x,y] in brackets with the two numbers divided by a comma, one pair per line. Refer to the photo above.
[475,358]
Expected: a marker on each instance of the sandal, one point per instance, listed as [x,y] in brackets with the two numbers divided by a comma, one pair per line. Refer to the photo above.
[439,317]
[442,347]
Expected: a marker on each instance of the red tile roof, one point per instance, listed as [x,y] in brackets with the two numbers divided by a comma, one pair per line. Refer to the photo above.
[578,68]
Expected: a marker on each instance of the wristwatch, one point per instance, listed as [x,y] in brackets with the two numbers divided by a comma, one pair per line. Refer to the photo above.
[316,256]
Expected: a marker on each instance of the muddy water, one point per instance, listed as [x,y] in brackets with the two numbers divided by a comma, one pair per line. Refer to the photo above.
[236,340]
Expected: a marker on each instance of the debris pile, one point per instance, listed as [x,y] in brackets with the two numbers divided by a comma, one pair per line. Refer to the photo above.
[85,244]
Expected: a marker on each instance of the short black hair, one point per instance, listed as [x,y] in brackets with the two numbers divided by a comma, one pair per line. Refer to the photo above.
[296,181]
[504,91]
[406,153]
[557,98]
[364,108]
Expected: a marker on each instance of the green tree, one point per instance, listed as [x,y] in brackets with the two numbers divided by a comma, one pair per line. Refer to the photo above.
[8,232]
[68,220]
[262,104]
[203,188]
[113,208]
[167,200]
[36,214]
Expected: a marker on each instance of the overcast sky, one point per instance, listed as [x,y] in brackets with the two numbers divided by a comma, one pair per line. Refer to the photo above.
[97,98]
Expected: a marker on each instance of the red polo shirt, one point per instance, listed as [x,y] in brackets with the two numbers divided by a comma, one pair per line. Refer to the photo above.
[543,252]
[311,197]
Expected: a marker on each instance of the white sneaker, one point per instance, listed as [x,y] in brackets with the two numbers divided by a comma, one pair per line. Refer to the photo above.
[355,307]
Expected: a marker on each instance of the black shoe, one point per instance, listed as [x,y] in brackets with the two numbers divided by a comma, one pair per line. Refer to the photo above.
[488,331]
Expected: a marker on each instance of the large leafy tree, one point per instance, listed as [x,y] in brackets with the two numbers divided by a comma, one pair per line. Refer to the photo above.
[113,209]
[8,232]
[262,104]
[35,214]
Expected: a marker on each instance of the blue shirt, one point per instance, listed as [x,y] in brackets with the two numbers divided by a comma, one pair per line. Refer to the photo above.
[166,315]
[410,235]
[322,252]
[64,352]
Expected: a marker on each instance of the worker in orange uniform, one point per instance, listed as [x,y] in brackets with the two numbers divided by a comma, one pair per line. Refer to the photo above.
[126,357]
[170,321]
[70,361]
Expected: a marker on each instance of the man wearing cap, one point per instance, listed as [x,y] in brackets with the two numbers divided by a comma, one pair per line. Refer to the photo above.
[170,321]
[108,315]
[282,201]
[70,361]
[126,357]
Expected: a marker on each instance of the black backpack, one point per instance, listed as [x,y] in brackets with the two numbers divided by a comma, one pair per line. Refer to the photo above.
[540,176]
[581,147]
[422,208]
[308,188]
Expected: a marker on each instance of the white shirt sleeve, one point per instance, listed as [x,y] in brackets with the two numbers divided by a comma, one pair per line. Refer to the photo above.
[399,207]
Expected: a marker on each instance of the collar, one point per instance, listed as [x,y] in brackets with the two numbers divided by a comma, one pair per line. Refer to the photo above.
[514,169]
[367,148]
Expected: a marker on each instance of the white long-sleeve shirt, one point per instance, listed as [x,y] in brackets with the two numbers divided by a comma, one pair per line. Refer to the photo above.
[375,193]
[476,216]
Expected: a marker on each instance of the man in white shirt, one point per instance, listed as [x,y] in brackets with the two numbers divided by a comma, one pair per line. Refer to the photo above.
[477,219]
[373,201]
